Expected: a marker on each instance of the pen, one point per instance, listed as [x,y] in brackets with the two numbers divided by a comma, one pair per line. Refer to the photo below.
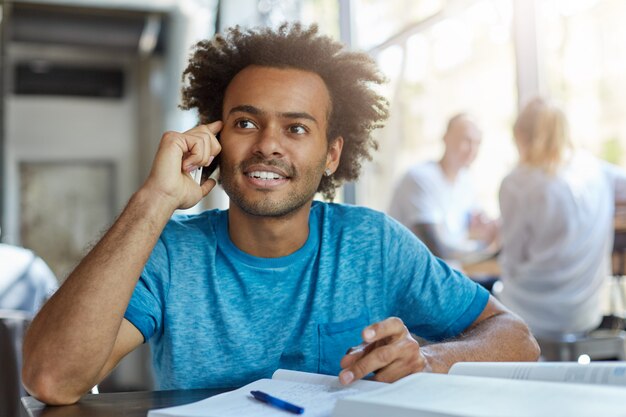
[357,349]
[277,402]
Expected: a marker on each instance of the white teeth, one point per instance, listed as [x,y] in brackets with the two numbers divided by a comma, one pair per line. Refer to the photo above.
[265,175]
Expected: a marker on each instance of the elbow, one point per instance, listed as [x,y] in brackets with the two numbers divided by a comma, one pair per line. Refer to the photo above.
[47,387]
[531,351]
[535,353]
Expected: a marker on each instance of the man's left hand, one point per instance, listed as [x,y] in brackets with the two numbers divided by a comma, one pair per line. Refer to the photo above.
[389,351]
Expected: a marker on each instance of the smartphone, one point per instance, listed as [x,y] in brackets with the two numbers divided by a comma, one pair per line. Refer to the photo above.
[202,174]
[208,171]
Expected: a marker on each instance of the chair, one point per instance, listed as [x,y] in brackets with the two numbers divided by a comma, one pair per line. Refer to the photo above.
[602,344]
[133,373]
[13,324]
[615,320]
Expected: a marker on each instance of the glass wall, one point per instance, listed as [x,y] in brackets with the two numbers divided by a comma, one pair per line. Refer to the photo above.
[460,59]
[479,56]
[443,57]
[584,50]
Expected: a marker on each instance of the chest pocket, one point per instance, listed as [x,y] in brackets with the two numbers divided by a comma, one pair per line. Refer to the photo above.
[336,338]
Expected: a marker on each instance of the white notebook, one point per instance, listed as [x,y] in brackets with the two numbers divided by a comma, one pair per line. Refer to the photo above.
[436,395]
[316,393]
[432,395]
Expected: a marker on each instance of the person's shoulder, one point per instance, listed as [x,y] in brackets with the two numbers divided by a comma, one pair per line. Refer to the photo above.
[185,223]
[419,178]
[424,169]
[523,182]
[12,250]
[195,218]
[14,255]
[354,218]
[521,176]
[583,160]
[339,211]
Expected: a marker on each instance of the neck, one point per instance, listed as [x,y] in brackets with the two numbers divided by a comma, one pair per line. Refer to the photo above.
[450,167]
[269,237]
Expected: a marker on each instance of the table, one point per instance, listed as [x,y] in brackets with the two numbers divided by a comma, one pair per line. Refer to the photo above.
[487,268]
[122,404]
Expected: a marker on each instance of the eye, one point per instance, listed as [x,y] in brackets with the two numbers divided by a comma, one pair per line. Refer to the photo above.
[245,124]
[298,129]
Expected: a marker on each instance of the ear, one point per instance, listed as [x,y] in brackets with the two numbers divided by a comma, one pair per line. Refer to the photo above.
[334,154]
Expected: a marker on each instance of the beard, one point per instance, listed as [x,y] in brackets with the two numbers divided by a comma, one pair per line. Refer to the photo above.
[265,203]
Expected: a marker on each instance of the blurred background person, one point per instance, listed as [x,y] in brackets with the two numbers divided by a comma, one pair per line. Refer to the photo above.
[26,281]
[436,199]
[557,210]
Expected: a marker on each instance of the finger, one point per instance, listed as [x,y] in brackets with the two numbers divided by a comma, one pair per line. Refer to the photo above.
[205,133]
[398,369]
[350,359]
[390,373]
[202,147]
[211,130]
[205,149]
[411,360]
[195,156]
[213,127]
[207,186]
[372,362]
[359,348]
[355,353]
[391,327]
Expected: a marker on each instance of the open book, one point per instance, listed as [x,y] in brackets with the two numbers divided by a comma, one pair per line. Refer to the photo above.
[316,393]
[606,373]
[488,390]
[492,394]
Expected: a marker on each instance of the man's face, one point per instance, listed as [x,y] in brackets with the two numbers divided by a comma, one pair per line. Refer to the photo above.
[462,141]
[274,147]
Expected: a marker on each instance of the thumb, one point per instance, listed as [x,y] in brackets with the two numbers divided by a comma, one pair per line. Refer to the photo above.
[207,186]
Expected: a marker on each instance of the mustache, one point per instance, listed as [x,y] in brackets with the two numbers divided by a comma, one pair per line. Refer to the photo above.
[289,169]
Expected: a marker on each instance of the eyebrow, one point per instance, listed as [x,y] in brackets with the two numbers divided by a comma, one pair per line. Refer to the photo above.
[247,108]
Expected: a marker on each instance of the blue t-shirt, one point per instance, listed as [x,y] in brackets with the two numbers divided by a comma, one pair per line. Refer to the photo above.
[218,317]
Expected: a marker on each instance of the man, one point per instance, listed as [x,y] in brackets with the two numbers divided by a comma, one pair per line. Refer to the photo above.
[278,280]
[26,281]
[436,199]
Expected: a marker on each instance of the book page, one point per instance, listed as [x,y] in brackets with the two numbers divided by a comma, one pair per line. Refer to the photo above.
[606,373]
[429,395]
[318,399]
[321,379]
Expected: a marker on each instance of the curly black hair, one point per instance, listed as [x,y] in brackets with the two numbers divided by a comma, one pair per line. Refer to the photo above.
[355,108]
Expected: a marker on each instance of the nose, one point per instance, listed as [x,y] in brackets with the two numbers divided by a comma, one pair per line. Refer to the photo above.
[269,142]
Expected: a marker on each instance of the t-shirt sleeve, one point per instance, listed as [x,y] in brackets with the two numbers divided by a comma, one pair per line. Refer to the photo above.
[434,301]
[145,310]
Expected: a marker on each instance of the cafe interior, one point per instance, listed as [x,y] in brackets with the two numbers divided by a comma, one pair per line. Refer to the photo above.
[87,88]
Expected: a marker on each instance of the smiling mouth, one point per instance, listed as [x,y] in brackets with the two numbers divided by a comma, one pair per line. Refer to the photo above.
[265,175]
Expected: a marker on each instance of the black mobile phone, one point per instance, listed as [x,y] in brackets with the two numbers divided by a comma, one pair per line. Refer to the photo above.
[208,171]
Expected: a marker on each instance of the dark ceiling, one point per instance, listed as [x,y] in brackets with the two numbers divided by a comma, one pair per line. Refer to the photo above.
[116,30]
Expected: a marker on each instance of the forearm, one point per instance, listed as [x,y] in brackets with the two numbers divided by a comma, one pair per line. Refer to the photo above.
[501,337]
[72,337]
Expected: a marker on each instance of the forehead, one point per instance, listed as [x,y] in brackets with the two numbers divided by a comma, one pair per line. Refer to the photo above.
[279,90]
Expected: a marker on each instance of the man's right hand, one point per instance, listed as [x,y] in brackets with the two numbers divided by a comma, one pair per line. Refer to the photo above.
[177,156]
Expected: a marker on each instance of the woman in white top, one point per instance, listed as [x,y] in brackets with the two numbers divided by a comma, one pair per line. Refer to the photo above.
[557,226]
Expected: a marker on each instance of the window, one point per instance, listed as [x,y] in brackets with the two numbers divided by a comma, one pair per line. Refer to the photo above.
[460,60]
[584,51]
